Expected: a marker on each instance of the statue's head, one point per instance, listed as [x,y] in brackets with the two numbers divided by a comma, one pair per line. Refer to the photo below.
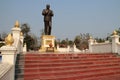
[47,6]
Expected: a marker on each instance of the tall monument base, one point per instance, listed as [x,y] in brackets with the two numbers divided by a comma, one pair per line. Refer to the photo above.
[47,43]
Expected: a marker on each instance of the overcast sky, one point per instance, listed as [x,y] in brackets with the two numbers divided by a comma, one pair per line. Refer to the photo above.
[71,17]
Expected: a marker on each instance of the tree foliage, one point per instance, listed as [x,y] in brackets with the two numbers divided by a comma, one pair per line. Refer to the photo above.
[25,29]
[30,42]
[2,36]
[64,43]
[29,39]
[81,41]
[100,40]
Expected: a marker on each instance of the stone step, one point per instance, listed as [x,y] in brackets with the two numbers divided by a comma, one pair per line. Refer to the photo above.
[74,55]
[72,63]
[48,70]
[21,70]
[19,78]
[67,60]
[73,66]
[18,67]
[21,75]
[83,65]
[64,54]
[108,77]
[68,55]
[63,59]
[81,71]
[81,56]
[71,76]
[96,61]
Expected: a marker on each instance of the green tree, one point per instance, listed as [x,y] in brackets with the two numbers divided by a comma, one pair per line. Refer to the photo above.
[81,41]
[71,43]
[118,31]
[63,43]
[29,38]
[25,29]
[3,35]
[100,40]
[34,40]
[77,41]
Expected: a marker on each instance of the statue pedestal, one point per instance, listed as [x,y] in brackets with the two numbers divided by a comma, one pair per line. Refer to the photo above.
[46,41]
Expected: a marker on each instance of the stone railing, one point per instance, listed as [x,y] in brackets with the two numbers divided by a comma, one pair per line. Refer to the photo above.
[8,57]
[14,45]
[101,48]
[5,71]
[106,47]
[18,38]
[68,49]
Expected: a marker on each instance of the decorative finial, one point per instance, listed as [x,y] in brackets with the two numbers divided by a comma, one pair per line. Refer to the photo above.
[21,33]
[16,24]
[9,40]
[90,37]
[114,32]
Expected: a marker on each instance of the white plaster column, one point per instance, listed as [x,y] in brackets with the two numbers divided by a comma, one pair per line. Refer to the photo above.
[91,41]
[21,43]
[57,46]
[115,39]
[16,30]
[25,48]
[74,47]
[16,33]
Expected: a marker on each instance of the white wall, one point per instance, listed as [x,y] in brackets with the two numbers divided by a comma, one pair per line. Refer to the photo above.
[102,48]
[106,47]
[62,49]
[68,49]
[118,48]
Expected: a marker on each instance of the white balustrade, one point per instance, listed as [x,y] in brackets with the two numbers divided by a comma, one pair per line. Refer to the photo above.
[9,54]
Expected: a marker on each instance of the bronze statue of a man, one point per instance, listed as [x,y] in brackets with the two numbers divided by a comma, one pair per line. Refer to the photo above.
[48,14]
